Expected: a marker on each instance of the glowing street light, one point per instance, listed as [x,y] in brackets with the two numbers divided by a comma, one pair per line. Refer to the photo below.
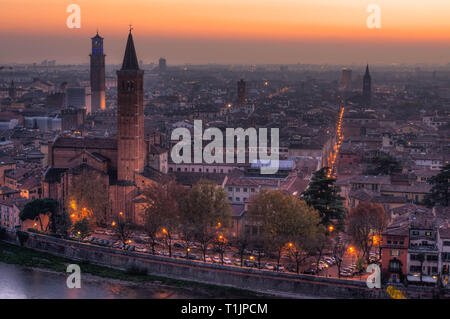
[331,228]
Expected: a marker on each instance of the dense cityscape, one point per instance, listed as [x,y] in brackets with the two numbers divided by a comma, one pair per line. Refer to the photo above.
[358,205]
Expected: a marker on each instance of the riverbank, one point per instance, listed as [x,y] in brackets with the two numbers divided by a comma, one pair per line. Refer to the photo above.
[46,262]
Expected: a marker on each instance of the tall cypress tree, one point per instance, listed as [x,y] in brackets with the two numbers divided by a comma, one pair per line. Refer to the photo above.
[323,195]
[440,192]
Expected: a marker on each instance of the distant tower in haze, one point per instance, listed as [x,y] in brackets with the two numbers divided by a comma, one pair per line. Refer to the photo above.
[97,74]
[130,115]
[241,92]
[367,87]
[346,79]
[162,65]
[12,91]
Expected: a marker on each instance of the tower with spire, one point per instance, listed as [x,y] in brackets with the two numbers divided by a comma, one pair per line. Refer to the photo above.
[241,92]
[367,87]
[12,90]
[130,116]
[97,74]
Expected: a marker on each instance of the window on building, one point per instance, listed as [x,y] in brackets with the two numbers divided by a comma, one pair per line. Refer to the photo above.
[395,252]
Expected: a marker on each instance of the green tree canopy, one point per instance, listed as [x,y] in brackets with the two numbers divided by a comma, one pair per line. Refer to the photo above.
[208,209]
[383,164]
[81,228]
[285,220]
[440,192]
[34,209]
[323,195]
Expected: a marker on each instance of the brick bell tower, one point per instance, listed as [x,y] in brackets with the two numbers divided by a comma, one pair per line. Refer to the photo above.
[97,74]
[130,115]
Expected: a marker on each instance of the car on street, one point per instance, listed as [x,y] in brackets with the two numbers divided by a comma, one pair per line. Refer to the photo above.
[227,261]
[216,259]
[237,261]
[249,263]
[310,271]
[178,245]
[208,259]
[278,267]
[268,266]
[193,257]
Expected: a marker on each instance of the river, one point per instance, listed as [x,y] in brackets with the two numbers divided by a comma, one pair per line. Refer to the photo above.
[17,282]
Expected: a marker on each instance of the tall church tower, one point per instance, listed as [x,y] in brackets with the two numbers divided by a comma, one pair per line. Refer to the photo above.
[130,115]
[241,92]
[97,74]
[367,87]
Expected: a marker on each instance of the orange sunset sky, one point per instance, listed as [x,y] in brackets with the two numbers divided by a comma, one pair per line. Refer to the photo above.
[230,31]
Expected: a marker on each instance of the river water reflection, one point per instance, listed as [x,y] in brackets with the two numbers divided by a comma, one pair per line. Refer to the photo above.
[21,283]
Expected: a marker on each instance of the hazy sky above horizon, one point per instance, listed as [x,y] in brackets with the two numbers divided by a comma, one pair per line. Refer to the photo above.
[229,31]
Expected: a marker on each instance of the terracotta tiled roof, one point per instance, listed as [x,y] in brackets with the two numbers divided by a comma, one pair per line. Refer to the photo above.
[86,142]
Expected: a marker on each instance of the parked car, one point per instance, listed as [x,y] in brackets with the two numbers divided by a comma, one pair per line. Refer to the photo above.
[193,257]
[237,261]
[178,255]
[278,267]
[310,271]
[208,259]
[346,273]
[268,266]
[178,245]
[249,263]
[216,259]
[227,261]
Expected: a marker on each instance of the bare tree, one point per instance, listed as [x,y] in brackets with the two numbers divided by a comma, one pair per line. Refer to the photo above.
[163,209]
[364,222]
[207,207]
[88,196]
[241,243]
[123,228]
[339,250]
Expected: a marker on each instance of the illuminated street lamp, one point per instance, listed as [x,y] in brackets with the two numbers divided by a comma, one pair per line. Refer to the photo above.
[331,228]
